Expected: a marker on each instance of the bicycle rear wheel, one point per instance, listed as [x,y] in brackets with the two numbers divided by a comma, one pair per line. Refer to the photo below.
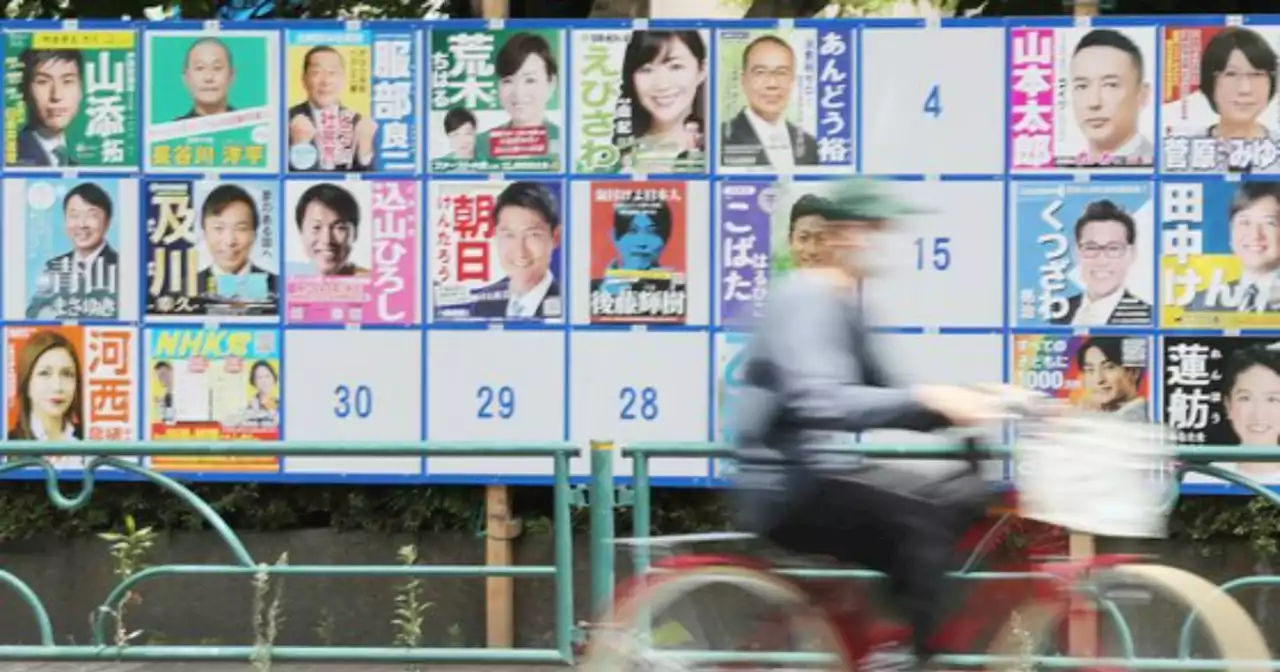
[689,607]
[1226,625]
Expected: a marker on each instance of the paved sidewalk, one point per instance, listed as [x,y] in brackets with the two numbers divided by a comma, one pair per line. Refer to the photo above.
[245,667]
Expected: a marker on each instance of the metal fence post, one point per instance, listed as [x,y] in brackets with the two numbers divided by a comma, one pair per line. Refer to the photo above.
[601,503]
[563,531]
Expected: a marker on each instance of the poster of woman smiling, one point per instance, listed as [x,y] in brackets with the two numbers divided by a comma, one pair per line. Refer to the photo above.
[1219,100]
[1224,391]
[640,101]
[495,101]
[68,383]
[638,254]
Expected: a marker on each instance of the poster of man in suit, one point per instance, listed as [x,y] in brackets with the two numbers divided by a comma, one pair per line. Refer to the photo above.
[784,104]
[1220,255]
[499,254]
[212,249]
[328,120]
[1095,108]
[1083,254]
[72,247]
[72,98]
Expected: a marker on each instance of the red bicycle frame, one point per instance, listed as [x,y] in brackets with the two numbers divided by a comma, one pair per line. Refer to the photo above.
[861,632]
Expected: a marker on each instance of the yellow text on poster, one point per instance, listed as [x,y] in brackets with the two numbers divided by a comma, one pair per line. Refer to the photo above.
[354,71]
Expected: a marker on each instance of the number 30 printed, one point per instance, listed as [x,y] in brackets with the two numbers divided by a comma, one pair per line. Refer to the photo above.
[357,401]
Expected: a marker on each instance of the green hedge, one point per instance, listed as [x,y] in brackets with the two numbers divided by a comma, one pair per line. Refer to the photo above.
[25,511]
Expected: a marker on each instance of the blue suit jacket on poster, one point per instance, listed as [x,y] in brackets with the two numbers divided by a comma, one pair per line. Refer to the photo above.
[498,307]
[30,153]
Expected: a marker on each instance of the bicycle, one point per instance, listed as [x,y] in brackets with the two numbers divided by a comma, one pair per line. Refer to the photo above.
[1059,456]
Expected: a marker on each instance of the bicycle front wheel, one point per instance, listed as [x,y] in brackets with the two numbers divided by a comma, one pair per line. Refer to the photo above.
[1226,626]
[716,617]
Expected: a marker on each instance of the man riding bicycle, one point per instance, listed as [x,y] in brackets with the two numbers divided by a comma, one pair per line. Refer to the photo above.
[811,371]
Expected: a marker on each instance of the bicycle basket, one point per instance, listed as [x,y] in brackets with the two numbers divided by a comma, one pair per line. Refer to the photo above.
[1095,473]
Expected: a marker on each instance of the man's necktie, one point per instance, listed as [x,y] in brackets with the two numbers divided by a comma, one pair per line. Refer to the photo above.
[82,275]
[1249,303]
[60,156]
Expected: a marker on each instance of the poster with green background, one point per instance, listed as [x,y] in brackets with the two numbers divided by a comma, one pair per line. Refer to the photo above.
[70,99]
[212,101]
[478,124]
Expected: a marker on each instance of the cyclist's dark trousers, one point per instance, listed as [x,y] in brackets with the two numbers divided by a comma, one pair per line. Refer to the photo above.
[894,521]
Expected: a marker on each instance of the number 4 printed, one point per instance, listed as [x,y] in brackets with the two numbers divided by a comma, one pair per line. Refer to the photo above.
[933,102]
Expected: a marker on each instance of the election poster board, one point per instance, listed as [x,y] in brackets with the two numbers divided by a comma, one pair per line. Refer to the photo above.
[568,232]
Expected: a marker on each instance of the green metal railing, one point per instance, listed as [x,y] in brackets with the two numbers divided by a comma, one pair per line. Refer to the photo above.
[32,455]
[603,495]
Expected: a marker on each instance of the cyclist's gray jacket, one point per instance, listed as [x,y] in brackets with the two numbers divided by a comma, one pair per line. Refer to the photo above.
[810,371]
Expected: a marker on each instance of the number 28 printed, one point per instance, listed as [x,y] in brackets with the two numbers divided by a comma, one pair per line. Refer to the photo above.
[639,404]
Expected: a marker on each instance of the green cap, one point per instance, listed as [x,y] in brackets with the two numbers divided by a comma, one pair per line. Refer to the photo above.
[862,198]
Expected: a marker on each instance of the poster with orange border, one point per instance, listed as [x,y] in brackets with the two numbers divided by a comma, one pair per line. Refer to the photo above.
[70,383]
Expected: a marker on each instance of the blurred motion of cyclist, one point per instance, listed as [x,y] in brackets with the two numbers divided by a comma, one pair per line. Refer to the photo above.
[810,372]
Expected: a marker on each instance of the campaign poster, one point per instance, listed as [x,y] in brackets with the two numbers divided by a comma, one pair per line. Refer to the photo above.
[1218,103]
[351,101]
[731,357]
[497,250]
[639,265]
[800,83]
[212,249]
[212,101]
[766,230]
[1080,98]
[1101,374]
[497,101]
[641,101]
[69,383]
[352,252]
[72,248]
[1220,275]
[731,360]
[1224,391]
[71,99]
[1083,253]
[213,385]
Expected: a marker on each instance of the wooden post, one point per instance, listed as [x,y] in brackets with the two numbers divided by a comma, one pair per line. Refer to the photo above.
[499,592]
[494,9]
[1086,8]
[1082,628]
